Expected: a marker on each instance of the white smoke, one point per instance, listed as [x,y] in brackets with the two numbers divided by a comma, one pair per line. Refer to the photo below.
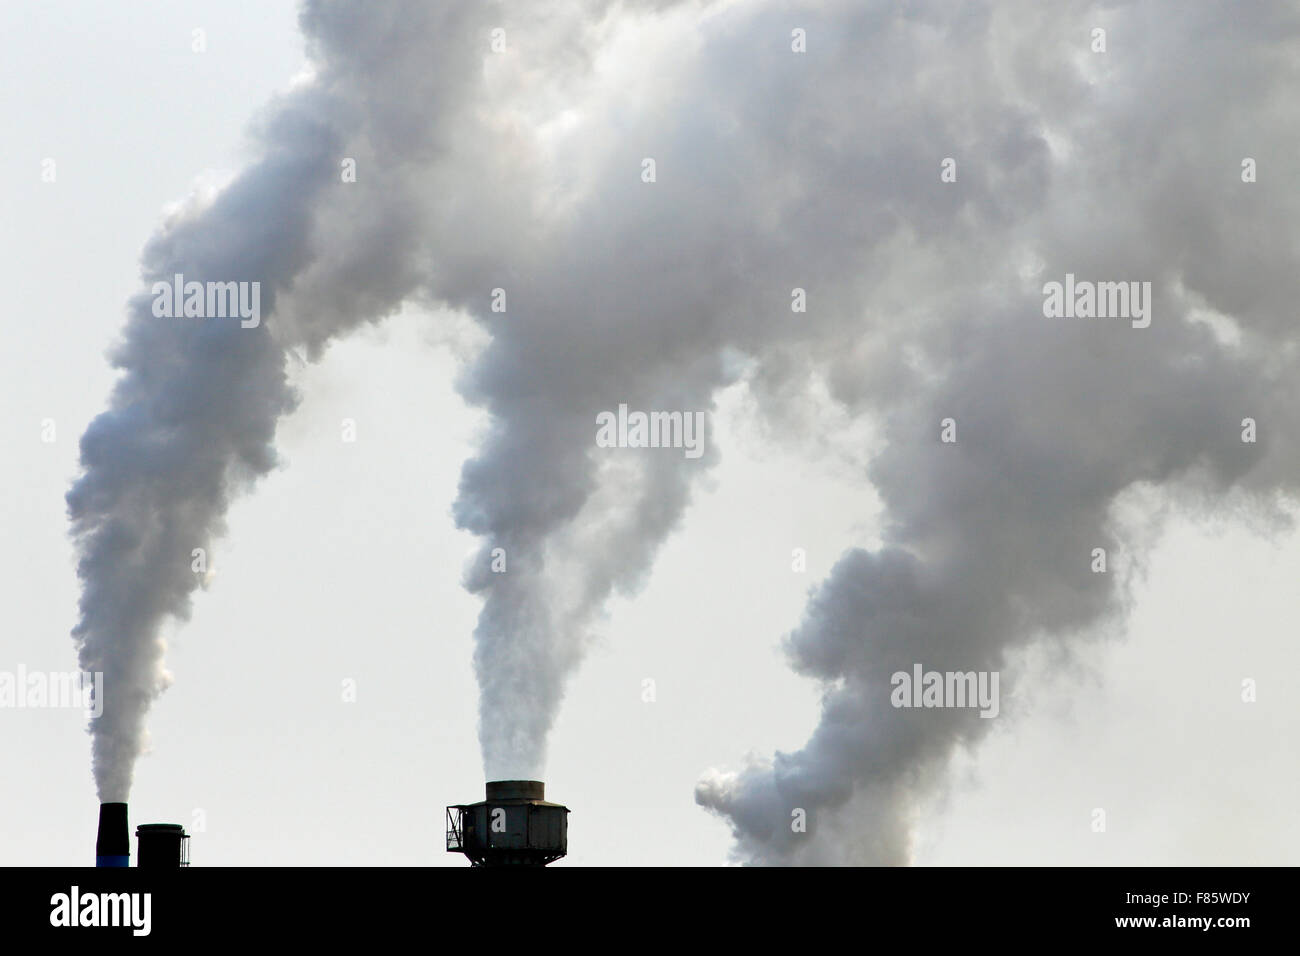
[192,419]
[521,170]
[1130,168]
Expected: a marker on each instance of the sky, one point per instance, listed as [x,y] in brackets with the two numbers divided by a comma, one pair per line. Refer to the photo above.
[347,560]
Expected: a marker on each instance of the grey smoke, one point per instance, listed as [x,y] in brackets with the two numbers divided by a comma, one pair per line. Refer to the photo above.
[775,170]
[1131,170]
[192,419]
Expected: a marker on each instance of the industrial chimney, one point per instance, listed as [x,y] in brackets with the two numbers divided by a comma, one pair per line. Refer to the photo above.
[113,844]
[162,846]
[514,826]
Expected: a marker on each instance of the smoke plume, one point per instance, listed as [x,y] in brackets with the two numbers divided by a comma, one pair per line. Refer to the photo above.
[191,421]
[1130,167]
[521,168]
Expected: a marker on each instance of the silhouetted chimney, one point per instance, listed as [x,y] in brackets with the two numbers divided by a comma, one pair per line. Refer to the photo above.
[514,826]
[113,845]
[162,846]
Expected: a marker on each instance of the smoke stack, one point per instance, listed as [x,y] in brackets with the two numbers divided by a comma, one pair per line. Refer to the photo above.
[113,844]
[162,846]
[499,790]
[514,826]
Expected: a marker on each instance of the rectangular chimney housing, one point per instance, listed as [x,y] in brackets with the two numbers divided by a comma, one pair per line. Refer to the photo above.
[514,826]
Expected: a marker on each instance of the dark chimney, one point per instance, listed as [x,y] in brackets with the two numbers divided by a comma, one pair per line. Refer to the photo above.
[515,790]
[162,846]
[514,826]
[113,845]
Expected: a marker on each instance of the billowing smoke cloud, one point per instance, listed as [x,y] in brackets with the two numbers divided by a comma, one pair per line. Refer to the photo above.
[464,184]
[774,170]
[1133,163]
[192,419]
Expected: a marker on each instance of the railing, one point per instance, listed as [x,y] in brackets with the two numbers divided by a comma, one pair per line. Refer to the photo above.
[454,842]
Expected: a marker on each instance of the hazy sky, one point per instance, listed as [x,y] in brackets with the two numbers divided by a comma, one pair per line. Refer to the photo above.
[346,561]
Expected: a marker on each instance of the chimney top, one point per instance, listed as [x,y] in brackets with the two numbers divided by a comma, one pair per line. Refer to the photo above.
[516,790]
[113,839]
